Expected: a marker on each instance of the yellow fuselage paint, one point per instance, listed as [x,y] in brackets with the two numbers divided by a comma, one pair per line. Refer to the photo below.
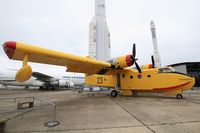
[150,80]
[101,80]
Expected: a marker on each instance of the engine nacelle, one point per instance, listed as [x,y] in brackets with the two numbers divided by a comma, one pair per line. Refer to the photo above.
[148,66]
[122,61]
[59,83]
[70,85]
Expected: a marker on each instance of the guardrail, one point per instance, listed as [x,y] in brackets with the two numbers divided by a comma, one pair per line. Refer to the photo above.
[23,111]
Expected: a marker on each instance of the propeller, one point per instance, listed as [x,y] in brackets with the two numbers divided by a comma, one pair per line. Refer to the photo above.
[134,59]
[134,51]
[153,61]
[138,67]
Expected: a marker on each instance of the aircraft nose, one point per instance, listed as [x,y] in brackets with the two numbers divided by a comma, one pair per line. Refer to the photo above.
[189,79]
[9,48]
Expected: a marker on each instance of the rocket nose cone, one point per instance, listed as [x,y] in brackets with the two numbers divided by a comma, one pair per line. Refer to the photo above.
[152,24]
[9,48]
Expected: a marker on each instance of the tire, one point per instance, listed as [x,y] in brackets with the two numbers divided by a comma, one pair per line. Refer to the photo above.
[52,88]
[41,88]
[179,96]
[113,93]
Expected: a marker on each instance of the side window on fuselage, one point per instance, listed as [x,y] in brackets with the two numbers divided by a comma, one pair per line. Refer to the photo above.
[165,70]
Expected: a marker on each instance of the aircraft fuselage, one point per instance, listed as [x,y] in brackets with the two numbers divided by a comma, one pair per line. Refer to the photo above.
[150,80]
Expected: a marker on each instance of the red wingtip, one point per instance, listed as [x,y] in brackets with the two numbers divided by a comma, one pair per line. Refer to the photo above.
[9,48]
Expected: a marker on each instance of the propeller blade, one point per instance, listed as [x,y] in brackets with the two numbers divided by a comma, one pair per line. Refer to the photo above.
[134,59]
[153,61]
[134,51]
[138,68]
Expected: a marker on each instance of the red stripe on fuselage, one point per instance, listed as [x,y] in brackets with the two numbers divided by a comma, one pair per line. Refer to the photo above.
[171,88]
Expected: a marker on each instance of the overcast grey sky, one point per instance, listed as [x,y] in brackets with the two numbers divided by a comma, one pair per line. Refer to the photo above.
[63,25]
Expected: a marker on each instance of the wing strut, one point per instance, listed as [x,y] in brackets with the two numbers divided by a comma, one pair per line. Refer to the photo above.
[25,60]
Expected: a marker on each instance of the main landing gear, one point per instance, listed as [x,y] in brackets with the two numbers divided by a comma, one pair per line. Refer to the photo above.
[179,96]
[113,93]
[117,87]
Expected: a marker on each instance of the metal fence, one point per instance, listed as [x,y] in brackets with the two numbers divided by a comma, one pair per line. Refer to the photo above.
[38,104]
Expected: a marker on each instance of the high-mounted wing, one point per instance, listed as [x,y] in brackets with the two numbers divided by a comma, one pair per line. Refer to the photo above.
[30,53]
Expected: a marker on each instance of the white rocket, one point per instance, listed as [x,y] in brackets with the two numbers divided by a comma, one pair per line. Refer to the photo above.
[99,35]
[155,46]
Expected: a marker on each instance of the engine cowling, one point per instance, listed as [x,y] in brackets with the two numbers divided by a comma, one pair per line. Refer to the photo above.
[122,61]
[59,83]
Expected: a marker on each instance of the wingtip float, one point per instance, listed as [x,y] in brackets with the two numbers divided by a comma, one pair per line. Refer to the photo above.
[24,74]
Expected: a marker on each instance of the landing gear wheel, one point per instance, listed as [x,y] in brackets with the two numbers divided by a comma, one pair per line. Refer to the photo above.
[41,88]
[52,88]
[113,93]
[179,96]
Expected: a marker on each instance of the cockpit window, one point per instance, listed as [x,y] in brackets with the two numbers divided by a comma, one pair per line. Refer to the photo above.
[166,70]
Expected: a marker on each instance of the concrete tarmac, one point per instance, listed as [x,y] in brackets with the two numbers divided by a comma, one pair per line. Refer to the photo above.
[100,113]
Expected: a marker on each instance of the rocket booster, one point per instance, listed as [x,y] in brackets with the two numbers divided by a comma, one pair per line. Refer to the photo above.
[155,46]
[99,34]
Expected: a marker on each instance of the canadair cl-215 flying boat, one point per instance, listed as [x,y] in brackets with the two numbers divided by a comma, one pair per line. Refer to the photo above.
[116,73]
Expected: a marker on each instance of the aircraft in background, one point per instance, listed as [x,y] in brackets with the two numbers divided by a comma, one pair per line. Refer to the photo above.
[7,78]
[43,81]
[54,83]
[115,74]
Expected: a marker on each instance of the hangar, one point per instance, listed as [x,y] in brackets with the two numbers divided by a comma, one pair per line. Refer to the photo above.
[190,68]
